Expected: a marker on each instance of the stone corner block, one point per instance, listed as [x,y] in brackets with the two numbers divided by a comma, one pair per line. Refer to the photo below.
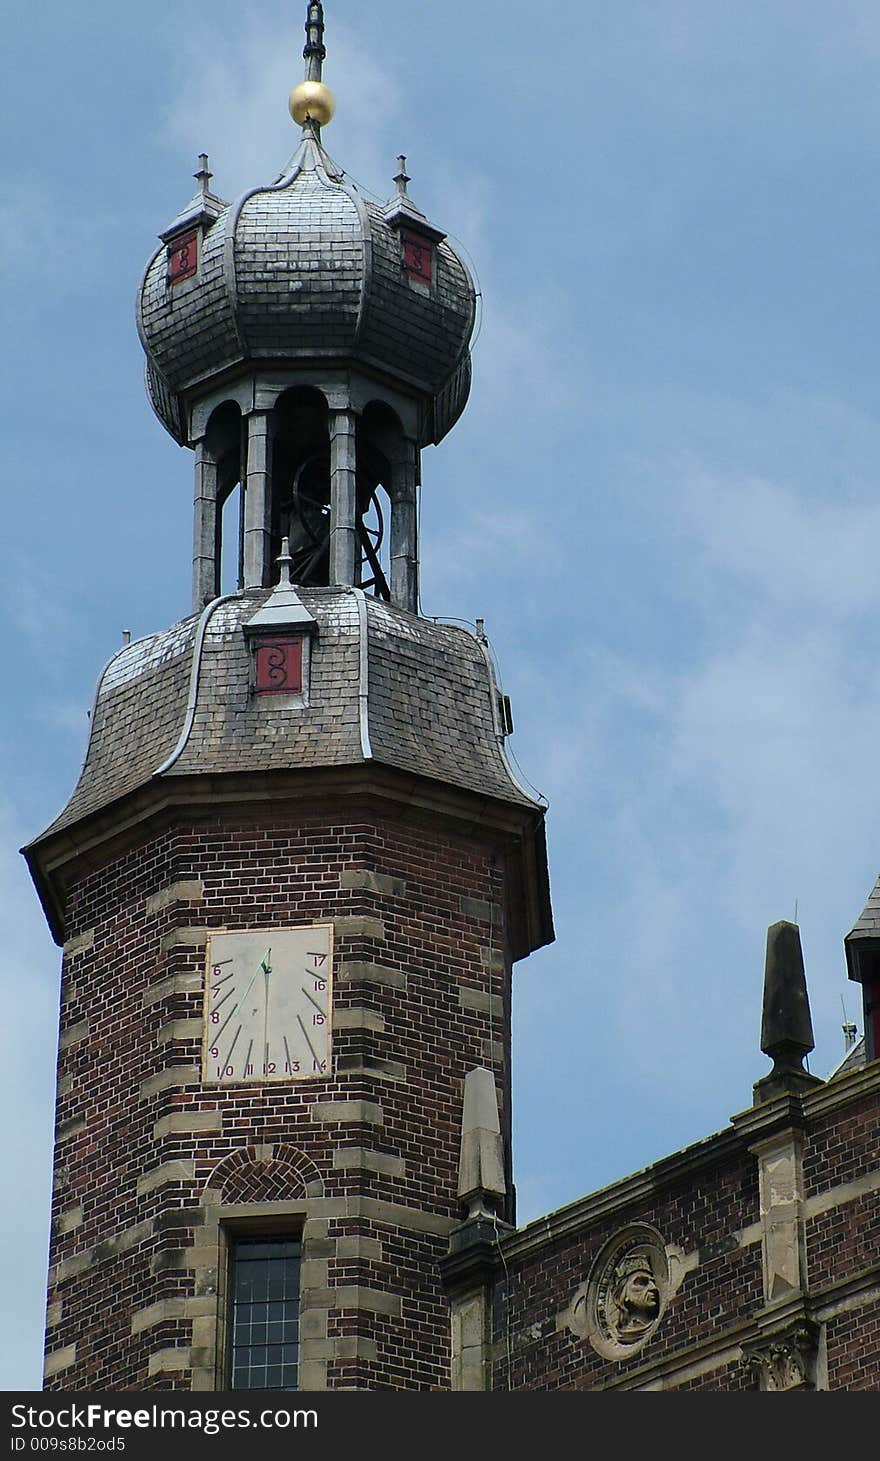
[186,890]
[184,938]
[70,1219]
[313,1375]
[180,1030]
[58,1360]
[353,971]
[188,1122]
[158,1313]
[79,944]
[168,1361]
[374,1301]
[67,1130]
[73,1034]
[173,1078]
[363,1159]
[362,880]
[160,1176]
[360,927]
[357,1018]
[366,1113]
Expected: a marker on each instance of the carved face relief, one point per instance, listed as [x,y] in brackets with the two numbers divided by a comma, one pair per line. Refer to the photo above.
[635,1295]
[620,1306]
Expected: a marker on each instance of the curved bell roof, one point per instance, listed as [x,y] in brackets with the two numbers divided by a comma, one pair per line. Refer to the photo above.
[306,270]
[382,686]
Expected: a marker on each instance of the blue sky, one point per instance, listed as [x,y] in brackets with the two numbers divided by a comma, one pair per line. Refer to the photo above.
[662,498]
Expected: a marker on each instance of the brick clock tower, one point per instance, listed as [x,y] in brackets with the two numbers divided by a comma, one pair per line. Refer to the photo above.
[297,868]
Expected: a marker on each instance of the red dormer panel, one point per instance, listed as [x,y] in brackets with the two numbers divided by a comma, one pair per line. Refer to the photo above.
[418,257]
[183,257]
[279,666]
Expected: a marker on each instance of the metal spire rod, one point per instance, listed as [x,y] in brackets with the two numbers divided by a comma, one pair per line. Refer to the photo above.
[315,51]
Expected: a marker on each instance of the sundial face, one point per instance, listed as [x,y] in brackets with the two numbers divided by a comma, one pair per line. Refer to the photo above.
[268,1005]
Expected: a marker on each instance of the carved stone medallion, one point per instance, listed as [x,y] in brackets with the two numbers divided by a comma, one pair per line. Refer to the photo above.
[624,1298]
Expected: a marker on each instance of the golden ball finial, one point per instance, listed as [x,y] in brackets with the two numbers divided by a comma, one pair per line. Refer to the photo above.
[312,99]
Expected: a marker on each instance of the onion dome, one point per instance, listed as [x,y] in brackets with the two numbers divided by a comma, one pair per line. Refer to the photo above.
[307,271]
[307,343]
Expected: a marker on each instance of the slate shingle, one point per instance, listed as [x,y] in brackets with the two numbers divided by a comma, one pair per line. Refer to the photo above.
[430,705]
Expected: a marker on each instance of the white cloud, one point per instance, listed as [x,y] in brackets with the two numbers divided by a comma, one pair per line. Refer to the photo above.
[232,95]
[695,798]
[465,550]
[519,343]
[817,556]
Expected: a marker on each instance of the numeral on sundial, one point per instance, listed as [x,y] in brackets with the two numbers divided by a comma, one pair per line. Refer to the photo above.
[268,1005]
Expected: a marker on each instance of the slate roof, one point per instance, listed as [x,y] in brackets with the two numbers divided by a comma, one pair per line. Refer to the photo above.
[307,269]
[855,1059]
[868,924]
[430,706]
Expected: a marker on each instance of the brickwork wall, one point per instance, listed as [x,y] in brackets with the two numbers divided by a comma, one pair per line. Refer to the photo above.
[140,1140]
[838,1149]
[701,1216]
[842,1240]
[853,1340]
[713,1217]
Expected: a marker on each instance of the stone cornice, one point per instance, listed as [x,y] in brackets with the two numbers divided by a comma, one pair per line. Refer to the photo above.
[748,1130]
[87,845]
[578,1217]
[843,1090]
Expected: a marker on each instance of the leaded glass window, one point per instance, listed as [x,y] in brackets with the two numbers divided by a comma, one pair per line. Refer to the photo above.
[264,1315]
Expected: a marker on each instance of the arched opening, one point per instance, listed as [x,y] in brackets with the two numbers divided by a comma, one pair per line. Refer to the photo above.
[390,465]
[343,494]
[301,483]
[224,444]
[379,447]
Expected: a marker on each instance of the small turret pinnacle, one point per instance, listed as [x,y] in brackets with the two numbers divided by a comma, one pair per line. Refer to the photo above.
[203,176]
[402,177]
[284,562]
[481,1182]
[786,1025]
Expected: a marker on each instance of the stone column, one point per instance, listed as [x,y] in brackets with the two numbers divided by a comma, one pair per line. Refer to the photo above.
[257,502]
[469,1273]
[783,1355]
[204,528]
[343,498]
[404,529]
[470,1341]
[780,1184]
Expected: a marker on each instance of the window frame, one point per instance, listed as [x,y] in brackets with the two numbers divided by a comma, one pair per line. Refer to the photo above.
[257,1225]
[237,1238]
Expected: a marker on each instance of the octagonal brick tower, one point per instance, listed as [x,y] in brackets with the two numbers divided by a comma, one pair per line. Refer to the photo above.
[297,868]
